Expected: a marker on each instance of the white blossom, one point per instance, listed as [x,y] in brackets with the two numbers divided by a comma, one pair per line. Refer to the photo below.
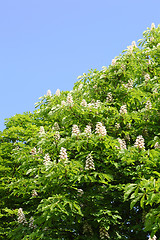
[87,229]
[34,193]
[75,130]
[147,77]
[33,151]
[57,135]
[114,61]
[123,109]
[100,129]
[63,103]
[49,93]
[127,137]
[103,76]
[151,39]
[69,98]
[154,238]
[155,90]
[55,127]
[158,45]
[40,150]
[31,223]
[63,153]
[148,105]
[84,103]
[97,104]
[134,44]
[21,216]
[41,131]
[156,145]
[103,233]
[122,143]
[89,163]
[109,97]
[139,142]
[47,159]
[80,87]
[117,125]
[130,49]
[123,66]
[149,62]
[90,105]
[58,92]
[129,85]
[87,130]
[80,192]
[152,26]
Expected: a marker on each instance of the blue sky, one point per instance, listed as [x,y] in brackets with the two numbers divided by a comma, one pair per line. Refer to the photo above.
[48,44]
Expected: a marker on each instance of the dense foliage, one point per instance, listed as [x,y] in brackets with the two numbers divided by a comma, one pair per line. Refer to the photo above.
[86,163]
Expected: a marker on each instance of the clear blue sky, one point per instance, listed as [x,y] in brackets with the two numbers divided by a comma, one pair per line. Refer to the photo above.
[46,44]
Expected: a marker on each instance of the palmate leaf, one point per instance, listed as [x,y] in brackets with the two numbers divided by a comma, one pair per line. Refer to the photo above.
[128,190]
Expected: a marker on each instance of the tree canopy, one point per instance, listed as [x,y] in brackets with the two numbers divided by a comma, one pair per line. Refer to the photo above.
[86,163]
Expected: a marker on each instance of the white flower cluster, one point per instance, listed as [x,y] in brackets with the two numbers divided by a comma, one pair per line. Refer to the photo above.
[89,163]
[58,92]
[148,105]
[34,193]
[109,97]
[55,127]
[123,66]
[63,153]
[69,98]
[33,151]
[139,142]
[47,159]
[87,229]
[127,137]
[75,130]
[87,130]
[80,87]
[57,135]
[152,26]
[154,238]
[130,49]
[129,85]
[63,103]
[95,86]
[156,145]
[80,192]
[21,216]
[97,104]
[147,77]
[122,143]
[41,131]
[40,151]
[114,61]
[134,44]
[84,103]
[49,93]
[100,129]
[128,125]
[117,125]
[103,233]
[123,109]
[31,223]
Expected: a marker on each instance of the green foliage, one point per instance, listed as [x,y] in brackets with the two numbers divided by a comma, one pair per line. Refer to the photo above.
[85,164]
